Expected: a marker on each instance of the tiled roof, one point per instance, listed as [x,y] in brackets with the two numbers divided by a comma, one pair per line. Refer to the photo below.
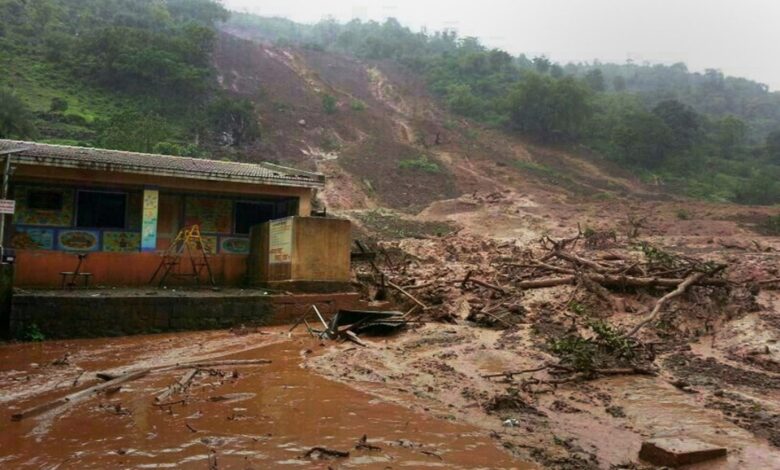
[159,165]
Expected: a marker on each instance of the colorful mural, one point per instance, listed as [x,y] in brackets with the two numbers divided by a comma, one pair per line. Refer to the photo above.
[121,241]
[211,215]
[33,239]
[234,245]
[25,215]
[78,240]
[151,205]
[209,244]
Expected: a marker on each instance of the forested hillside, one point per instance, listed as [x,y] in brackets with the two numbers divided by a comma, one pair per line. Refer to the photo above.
[699,133]
[142,75]
[128,74]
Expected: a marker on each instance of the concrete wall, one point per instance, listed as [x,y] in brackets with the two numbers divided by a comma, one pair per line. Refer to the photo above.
[320,253]
[6,291]
[321,249]
[72,316]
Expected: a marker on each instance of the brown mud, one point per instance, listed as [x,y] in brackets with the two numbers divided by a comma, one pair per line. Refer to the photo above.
[264,416]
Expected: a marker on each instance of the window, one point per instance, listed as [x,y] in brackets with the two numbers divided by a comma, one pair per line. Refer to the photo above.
[252,213]
[98,209]
[41,200]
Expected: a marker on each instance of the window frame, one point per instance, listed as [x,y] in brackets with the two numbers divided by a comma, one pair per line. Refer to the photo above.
[60,195]
[126,196]
[236,202]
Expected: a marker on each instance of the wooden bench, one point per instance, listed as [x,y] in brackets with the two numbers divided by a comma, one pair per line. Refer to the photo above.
[69,278]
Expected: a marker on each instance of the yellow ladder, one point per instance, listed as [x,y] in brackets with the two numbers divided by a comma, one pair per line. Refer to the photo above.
[188,242]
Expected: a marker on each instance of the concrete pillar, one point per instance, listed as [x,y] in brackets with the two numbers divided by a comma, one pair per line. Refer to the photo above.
[6,291]
[149,222]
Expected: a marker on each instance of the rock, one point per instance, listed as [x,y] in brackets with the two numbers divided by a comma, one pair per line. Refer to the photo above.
[302,123]
[674,451]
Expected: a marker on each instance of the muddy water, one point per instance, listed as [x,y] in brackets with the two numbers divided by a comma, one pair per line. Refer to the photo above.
[266,417]
[665,411]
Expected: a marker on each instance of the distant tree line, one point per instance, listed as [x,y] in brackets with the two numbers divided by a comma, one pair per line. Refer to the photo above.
[702,133]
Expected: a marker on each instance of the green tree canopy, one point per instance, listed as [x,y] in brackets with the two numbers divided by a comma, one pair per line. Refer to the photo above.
[549,109]
[15,118]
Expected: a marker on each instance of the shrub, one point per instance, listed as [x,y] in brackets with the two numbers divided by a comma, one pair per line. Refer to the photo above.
[76,119]
[771,226]
[58,105]
[328,104]
[683,214]
[357,105]
[421,163]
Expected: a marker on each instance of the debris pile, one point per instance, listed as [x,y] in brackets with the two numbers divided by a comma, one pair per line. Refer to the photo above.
[594,275]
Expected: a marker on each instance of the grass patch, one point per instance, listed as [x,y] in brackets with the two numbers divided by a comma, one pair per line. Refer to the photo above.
[421,163]
[357,105]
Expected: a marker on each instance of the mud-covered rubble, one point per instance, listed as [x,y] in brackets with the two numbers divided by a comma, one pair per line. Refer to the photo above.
[516,352]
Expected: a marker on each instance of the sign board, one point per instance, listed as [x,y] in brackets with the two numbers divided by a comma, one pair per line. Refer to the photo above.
[7,206]
[149,221]
[280,241]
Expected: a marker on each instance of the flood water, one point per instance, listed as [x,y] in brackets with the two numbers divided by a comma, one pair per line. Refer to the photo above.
[266,417]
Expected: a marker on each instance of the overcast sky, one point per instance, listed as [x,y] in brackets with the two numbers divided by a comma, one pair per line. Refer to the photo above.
[739,37]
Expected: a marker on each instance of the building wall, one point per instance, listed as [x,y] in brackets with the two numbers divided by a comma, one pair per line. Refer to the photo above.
[47,240]
[42,268]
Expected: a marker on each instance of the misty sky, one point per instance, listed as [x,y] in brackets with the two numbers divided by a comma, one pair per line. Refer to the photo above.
[739,37]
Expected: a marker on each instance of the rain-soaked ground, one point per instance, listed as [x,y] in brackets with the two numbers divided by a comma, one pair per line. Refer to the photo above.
[260,416]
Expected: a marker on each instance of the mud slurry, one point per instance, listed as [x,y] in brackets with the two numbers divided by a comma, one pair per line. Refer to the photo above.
[265,416]
[596,424]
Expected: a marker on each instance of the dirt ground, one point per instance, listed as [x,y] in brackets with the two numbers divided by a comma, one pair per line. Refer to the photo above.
[716,355]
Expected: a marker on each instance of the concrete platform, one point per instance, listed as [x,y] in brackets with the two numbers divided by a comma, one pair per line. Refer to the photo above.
[117,312]
[675,452]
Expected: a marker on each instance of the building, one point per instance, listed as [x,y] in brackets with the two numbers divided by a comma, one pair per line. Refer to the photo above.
[123,208]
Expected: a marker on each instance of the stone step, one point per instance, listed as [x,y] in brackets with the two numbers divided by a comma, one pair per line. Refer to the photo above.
[675,451]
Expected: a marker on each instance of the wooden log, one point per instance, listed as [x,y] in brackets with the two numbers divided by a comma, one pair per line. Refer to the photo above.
[127,377]
[354,338]
[484,284]
[76,396]
[572,258]
[208,364]
[516,372]
[407,294]
[37,410]
[681,288]
[617,281]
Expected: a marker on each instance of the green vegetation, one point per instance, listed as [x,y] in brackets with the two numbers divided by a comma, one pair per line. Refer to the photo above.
[126,74]
[329,104]
[15,117]
[421,163]
[357,105]
[606,346]
[771,226]
[31,333]
[702,134]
